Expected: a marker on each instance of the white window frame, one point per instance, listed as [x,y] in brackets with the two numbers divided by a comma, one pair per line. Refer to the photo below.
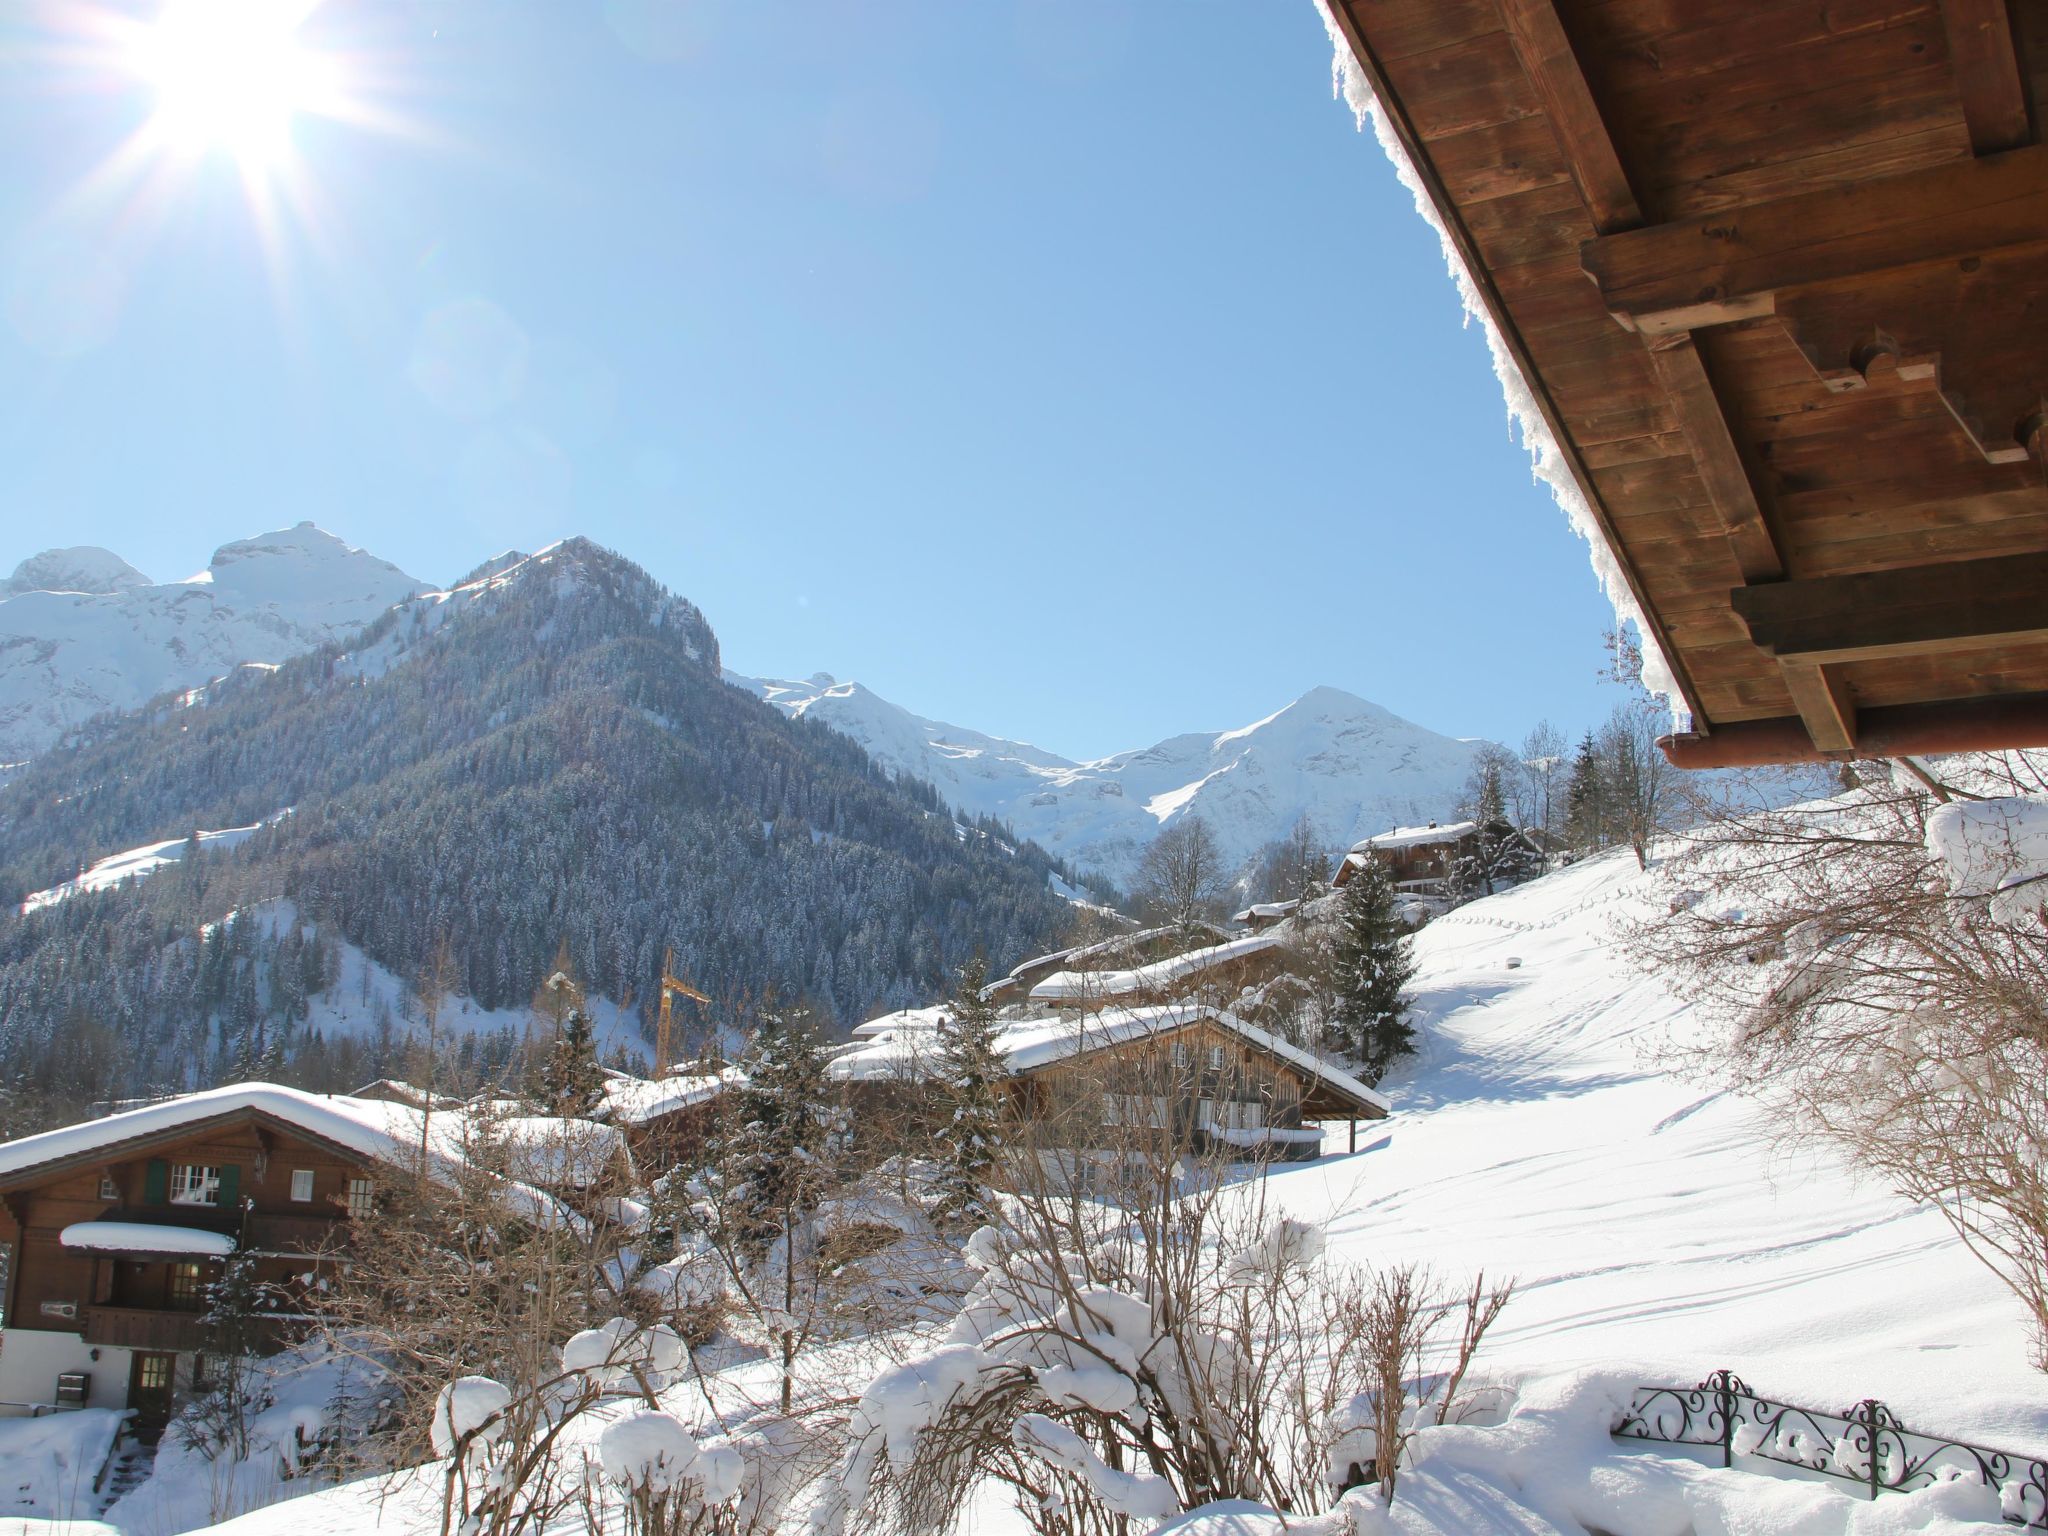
[302,1185]
[359,1197]
[195,1184]
[109,1190]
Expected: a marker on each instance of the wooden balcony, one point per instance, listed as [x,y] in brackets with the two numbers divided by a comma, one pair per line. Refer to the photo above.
[152,1328]
[159,1329]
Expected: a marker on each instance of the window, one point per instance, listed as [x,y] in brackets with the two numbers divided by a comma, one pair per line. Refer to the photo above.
[1215,1058]
[359,1197]
[195,1184]
[153,1373]
[107,1189]
[302,1184]
[188,1286]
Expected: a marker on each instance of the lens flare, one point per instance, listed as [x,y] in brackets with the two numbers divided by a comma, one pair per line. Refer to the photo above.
[230,76]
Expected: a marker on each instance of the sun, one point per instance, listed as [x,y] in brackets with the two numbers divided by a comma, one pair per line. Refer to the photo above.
[230,76]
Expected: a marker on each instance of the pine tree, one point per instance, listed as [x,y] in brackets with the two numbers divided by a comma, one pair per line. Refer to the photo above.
[971,1074]
[770,1157]
[1371,966]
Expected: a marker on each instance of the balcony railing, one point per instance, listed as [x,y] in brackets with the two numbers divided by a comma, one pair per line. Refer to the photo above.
[150,1328]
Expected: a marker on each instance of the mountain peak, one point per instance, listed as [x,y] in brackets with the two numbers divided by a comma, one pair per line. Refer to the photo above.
[80,568]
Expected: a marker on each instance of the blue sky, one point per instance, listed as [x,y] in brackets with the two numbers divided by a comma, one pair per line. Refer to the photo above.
[1069,369]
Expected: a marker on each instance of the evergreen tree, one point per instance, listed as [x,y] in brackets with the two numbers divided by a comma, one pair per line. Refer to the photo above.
[971,1074]
[1585,814]
[1371,965]
[770,1157]
[571,1081]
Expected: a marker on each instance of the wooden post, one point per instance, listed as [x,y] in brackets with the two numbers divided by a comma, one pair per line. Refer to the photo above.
[1353,1123]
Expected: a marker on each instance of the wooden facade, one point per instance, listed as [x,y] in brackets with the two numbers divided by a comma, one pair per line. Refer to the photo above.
[281,1195]
[1777,278]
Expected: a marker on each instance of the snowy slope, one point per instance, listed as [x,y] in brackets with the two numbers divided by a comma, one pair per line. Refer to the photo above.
[82,631]
[1351,766]
[1647,1218]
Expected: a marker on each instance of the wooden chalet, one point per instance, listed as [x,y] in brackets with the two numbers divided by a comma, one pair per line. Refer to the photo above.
[1213,973]
[1420,859]
[116,1230]
[1776,276]
[1187,1070]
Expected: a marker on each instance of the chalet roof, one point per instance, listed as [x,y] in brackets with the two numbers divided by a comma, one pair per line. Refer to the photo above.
[1266,911]
[1080,986]
[1031,1045]
[374,1130]
[1767,289]
[1417,837]
[636,1101]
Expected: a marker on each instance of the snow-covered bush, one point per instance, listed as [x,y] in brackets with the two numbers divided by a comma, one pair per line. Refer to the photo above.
[670,1484]
[1122,1356]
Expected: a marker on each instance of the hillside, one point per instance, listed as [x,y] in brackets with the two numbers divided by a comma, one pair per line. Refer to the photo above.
[545,755]
[83,632]
[1352,767]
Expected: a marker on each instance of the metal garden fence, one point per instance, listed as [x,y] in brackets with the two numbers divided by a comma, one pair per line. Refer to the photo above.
[1867,1445]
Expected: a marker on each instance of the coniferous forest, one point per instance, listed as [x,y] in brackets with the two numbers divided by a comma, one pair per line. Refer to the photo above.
[550,761]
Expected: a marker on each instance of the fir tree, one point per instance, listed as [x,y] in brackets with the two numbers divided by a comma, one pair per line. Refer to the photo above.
[770,1157]
[571,1081]
[971,1101]
[1371,965]
[1585,814]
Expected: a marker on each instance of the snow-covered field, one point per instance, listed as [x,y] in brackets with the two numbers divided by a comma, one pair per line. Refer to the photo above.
[1655,1236]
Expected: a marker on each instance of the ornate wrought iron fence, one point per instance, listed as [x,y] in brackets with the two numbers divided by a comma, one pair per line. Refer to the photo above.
[1867,1445]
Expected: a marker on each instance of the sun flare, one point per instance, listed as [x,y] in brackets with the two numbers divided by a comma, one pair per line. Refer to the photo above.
[230,76]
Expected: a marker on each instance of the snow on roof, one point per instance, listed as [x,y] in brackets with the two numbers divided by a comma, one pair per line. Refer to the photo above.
[1075,985]
[1417,837]
[385,1132]
[635,1101]
[1259,910]
[145,1237]
[903,1018]
[1027,1045]
[557,1152]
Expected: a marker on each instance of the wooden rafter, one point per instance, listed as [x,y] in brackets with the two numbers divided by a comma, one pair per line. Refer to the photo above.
[1994,98]
[1460,236]
[1547,58]
[1729,267]
[1704,422]
[1958,605]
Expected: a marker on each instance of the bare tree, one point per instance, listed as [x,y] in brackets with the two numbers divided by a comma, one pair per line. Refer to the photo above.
[1545,764]
[1642,787]
[1875,1000]
[1181,879]
[1296,867]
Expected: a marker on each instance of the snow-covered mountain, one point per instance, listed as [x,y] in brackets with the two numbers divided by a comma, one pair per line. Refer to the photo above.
[1349,765]
[83,631]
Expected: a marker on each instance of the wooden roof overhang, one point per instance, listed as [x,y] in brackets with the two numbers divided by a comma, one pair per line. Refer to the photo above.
[1777,276]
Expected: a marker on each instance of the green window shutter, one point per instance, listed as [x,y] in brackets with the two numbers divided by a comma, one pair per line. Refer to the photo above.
[156,1182]
[230,1186]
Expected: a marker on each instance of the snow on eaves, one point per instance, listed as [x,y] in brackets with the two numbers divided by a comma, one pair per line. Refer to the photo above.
[1417,837]
[145,1237]
[635,1101]
[1548,463]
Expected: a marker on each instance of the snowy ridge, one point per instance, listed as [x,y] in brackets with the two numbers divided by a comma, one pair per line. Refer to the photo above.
[83,632]
[134,863]
[1351,766]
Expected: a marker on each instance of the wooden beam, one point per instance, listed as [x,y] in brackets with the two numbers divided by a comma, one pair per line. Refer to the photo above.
[1547,58]
[1894,730]
[1824,706]
[1729,266]
[1704,423]
[1959,605]
[1396,117]
[1981,51]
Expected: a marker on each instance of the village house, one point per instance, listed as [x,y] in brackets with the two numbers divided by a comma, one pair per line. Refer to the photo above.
[666,1120]
[1213,973]
[1122,952]
[116,1229]
[1422,859]
[1195,1074]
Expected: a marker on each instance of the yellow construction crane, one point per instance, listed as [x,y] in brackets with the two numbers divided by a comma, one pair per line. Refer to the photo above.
[664,1027]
